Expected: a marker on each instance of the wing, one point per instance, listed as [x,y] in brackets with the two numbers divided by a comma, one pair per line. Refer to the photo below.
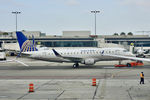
[129,58]
[74,59]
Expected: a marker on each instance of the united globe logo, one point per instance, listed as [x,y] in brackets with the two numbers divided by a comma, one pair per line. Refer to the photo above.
[28,46]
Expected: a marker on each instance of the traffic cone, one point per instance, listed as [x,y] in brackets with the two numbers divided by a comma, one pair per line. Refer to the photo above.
[94,82]
[31,87]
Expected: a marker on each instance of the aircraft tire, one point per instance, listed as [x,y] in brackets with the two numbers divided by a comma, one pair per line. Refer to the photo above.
[74,65]
[128,65]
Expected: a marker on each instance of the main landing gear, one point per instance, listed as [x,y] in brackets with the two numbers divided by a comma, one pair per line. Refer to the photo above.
[75,65]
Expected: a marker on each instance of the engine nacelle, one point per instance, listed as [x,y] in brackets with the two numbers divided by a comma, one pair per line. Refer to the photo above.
[88,61]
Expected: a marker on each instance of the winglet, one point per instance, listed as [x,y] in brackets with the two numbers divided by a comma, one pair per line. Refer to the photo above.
[56,53]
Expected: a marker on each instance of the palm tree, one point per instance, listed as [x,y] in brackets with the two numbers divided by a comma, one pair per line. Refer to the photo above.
[122,33]
[5,33]
[130,33]
[115,33]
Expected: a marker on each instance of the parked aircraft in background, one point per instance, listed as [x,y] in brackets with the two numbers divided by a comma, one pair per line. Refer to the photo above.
[142,53]
[87,56]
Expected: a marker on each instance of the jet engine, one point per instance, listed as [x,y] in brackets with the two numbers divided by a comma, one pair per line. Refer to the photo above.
[88,61]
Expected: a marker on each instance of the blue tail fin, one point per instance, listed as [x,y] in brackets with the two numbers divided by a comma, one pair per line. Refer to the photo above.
[24,43]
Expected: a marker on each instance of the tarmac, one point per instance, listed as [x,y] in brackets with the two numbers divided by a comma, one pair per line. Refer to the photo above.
[75,89]
[59,81]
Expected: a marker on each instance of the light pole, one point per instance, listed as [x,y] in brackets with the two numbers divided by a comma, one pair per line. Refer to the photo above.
[16,13]
[95,12]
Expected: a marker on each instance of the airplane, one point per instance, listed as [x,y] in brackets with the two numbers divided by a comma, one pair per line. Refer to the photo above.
[139,51]
[87,56]
[142,53]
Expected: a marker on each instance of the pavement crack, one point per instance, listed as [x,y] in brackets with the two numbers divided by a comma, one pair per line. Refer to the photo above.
[34,89]
[42,85]
[103,89]
[129,94]
[60,94]
[22,96]
[105,75]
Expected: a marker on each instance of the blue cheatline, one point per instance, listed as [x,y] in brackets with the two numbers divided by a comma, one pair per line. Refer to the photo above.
[24,43]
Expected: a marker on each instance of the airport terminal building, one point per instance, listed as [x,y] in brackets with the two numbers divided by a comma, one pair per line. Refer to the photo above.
[78,39]
[138,40]
[68,39]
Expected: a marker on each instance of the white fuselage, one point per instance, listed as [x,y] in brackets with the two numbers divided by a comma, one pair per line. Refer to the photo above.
[86,55]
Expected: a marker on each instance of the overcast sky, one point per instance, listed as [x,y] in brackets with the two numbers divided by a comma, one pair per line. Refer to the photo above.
[54,16]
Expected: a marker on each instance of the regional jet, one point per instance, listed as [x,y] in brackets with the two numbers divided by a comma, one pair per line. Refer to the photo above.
[87,56]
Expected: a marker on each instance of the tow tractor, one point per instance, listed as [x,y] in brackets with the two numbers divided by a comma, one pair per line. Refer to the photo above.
[131,64]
